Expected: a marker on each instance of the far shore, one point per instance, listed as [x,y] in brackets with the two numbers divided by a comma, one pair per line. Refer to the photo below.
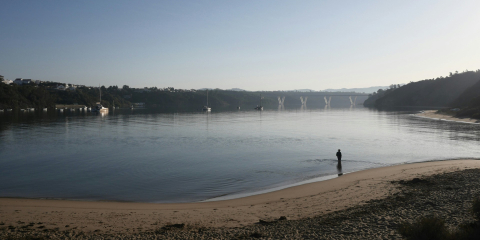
[299,202]
[445,117]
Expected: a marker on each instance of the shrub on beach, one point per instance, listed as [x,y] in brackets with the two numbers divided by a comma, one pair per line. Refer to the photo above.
[476,208]
[434,228]
[426,228]
[470,231]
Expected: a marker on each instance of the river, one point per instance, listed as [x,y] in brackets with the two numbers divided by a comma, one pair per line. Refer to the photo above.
[152,156]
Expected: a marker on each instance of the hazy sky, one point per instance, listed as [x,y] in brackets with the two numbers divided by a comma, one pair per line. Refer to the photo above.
[253,45]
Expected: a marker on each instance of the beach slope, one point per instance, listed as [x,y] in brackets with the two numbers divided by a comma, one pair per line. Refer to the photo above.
[299,202]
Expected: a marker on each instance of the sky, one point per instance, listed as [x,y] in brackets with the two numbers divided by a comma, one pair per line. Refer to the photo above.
[252,45]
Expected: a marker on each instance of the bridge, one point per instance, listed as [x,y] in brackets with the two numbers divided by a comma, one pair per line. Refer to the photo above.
[327,97]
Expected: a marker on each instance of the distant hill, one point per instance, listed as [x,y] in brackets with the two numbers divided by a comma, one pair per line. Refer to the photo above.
[469,102]
[235,89]
[302,90]
[439,92]
[467,96]
[358,90]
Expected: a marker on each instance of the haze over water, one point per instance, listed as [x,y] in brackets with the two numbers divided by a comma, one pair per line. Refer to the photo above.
[146,156]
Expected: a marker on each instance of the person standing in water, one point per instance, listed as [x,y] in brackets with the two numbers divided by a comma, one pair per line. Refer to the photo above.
[339,165]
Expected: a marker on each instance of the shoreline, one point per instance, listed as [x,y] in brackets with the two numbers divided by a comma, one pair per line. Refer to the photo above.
[432,114]
[299,202]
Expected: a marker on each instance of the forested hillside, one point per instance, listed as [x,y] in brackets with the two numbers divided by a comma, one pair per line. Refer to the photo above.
[47,95]
[13,96]
[469,102]
[439,92]
[41,96]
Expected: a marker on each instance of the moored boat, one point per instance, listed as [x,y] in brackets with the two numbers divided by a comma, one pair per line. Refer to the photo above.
[206,108]
[259,107]
[100,108]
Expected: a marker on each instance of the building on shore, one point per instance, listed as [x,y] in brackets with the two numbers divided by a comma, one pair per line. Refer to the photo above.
[8,82]
[18,81]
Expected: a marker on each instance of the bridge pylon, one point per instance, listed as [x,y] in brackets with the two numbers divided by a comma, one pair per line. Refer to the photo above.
[327,101]
[353,102]
[304,101]
[281,100]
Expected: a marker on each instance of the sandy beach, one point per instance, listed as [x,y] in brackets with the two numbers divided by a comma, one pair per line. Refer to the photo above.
[434,115]
[300,202]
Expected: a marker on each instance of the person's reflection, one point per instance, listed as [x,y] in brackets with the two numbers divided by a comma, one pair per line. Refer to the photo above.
[339,169]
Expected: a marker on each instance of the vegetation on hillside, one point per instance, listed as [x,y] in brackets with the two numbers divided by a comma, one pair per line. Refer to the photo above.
[379,94]
[469,102]
[41,96]
[13,96]
[47,95]
[456,90]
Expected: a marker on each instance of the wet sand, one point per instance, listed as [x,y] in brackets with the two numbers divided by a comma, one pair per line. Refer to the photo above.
[300,202]
[439,116]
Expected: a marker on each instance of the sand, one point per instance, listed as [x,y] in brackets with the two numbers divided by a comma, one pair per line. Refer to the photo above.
[439,116]
[300,202]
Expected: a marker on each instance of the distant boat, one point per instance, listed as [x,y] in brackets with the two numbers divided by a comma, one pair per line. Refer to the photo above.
[9,110]
[99,108]
[45,109]
[206,108]
[259,107]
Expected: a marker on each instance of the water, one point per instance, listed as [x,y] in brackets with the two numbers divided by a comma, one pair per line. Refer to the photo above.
[144,156]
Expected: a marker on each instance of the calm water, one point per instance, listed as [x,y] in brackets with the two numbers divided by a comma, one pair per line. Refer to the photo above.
[194,156]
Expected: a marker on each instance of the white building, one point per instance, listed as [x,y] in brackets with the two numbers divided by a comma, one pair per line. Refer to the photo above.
[8,82]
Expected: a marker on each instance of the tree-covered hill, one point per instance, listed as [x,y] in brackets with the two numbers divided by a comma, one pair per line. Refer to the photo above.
[439,92]
[13,96]
[47,95]
[469,102]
